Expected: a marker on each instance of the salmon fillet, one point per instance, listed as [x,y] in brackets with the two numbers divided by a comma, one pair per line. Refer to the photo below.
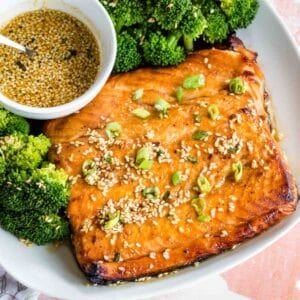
[119,232]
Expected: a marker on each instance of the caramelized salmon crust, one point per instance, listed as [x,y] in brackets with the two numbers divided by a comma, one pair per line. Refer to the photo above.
[129,219]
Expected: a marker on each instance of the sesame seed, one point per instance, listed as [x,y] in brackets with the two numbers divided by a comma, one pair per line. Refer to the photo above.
[224,233]
[166,254]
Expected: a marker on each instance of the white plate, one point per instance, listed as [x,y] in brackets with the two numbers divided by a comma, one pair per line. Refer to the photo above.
[56,273]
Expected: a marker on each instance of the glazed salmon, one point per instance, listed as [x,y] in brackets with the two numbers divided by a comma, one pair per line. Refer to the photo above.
[186,202]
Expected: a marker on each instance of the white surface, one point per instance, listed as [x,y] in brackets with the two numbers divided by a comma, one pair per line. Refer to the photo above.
[56,273]
[92,14]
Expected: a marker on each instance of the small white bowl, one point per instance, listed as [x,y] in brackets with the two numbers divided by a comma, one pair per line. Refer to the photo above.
[95,17]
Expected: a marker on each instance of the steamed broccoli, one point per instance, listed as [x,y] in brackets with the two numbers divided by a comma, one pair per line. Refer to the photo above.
[23,151]
[44,189]
[35,227]
[125,13]
[217,27]
[168,13]
[178,23]
[33,192]
[192,26]
[160,50]
[128,54]
[240,13]
[10,123]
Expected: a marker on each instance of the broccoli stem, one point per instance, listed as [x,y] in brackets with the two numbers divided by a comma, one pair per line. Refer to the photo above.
[188,43]
[173,39]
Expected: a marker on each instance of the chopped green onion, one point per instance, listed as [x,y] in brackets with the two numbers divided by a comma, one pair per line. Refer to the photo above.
[88,167]
[108,159]
[141,113]
[162,107]
[146,164]
[197,118]
[200,135]
[237,86]
[142,154]
[166,195]
[204,218]
[194,81]
[113,130]
[113,220]
[138,94]
[117,257]
[192,159]
[232,150]
[143,160]
[237,170]
[179,94]
[199,205]
[151,192]
[203,184]
[176,178]
[213,112]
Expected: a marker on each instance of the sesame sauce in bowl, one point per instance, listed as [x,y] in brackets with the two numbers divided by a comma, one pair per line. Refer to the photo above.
[65,64]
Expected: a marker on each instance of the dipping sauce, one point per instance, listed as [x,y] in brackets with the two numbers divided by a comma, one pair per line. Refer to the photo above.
[65,64]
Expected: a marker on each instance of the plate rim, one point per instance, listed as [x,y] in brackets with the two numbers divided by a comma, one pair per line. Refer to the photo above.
[164,288]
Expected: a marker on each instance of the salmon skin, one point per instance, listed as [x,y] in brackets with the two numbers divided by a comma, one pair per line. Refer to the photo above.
[194,201]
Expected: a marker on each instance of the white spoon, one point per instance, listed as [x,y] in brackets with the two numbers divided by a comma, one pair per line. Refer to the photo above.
[8,42]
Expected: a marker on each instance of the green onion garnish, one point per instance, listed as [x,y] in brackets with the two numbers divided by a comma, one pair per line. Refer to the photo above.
[197,118]
[151,192]
[176,178]
[179,94]
[141,113]
[194,81]
[232,150]
[138,94]
[143,160]
[88,167]
[237,86]
[200,135]
[204,218]
[162,107]
[237,169]
[203,184]
[213,112]
[142,154]
[146,164]
[108,159]
[113,130]
[113,220]
[199,205]
[192,159]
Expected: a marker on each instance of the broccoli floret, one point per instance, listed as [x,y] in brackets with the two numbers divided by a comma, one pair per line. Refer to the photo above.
[169,13]
[192,26]
[217,26]
[45,190]
[240,13]
[128,54]
[160,50]
[125,13]
[39,229]
[23,151]
[10,123]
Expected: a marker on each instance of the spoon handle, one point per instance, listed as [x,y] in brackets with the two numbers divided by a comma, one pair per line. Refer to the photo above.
[6,41]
